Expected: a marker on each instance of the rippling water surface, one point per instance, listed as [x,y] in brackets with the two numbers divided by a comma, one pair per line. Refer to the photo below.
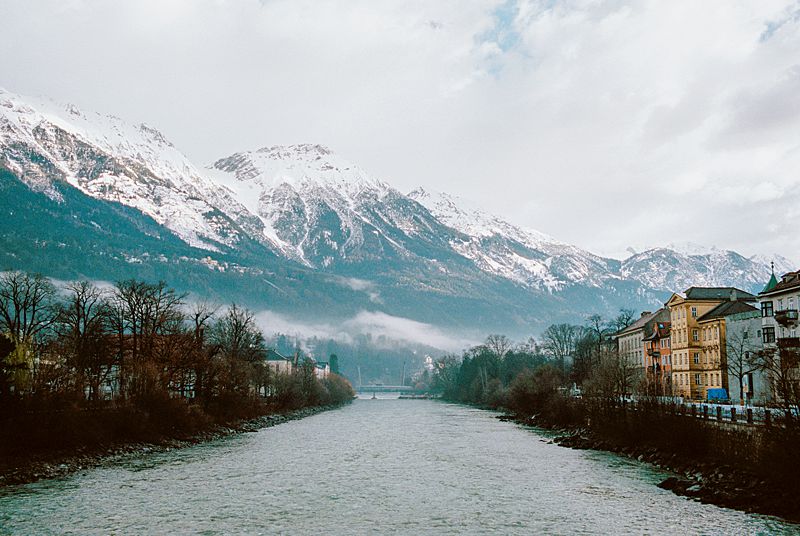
[374,467]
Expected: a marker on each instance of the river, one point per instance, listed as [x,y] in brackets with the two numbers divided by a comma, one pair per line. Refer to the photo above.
[373,467]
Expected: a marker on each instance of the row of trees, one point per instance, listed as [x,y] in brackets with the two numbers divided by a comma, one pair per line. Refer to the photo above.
[139,342]
[500,373]
[567,355]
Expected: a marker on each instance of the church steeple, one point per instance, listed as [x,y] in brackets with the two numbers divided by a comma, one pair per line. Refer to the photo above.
[773,281]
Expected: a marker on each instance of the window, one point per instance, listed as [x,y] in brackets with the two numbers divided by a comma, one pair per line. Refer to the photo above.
[694,312]
[766,308]
[697,358]
[695,335]
[705,377]
[745,335]
[697,379]
[769,335]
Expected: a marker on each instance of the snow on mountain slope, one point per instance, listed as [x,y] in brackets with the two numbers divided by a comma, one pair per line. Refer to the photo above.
[680,267]
[325,211]
[305,203]
[782,264]
[526,256]
[104,157]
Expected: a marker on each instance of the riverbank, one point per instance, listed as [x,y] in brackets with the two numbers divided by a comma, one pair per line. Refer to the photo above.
[26,468]
[703,478]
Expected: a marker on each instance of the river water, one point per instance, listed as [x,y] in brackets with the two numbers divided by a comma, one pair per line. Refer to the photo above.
[374,467]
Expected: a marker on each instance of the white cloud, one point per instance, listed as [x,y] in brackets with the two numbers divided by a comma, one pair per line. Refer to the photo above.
[561,115]
[374,323]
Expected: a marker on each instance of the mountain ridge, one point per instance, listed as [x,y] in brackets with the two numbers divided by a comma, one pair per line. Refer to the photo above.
[303,209]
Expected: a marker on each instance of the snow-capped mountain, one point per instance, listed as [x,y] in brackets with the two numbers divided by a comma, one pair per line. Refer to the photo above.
[525,256]
[679,269]
[325,230]
[327,212]
[42,142]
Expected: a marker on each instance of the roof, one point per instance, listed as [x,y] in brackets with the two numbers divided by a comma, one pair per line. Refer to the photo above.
[726,309]
[660,331]
[272,355]
[647,317]
[789,281]
[771,284]
[717,293]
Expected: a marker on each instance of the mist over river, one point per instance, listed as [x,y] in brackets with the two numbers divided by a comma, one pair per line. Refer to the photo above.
[383,466]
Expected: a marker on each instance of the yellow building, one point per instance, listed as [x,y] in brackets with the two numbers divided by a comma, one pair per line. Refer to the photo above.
[690,366]
[713,334]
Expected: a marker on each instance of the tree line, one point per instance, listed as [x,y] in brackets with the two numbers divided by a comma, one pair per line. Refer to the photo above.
[499,373]
[585,361]
[140,344]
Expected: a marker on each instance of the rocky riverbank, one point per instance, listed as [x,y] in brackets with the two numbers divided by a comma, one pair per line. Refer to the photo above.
[708,482]
[60,464]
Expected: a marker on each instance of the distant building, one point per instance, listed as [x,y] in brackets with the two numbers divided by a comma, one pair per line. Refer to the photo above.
[685,309]
[630,340]
[658,357]
[278,363]
[322,369]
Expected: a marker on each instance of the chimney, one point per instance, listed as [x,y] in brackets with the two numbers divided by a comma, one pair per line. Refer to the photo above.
[644,314]
[733,294]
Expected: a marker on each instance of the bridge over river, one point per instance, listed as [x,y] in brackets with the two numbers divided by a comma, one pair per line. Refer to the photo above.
[385,389]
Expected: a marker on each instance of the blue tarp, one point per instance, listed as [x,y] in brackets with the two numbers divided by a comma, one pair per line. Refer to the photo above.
[717,394]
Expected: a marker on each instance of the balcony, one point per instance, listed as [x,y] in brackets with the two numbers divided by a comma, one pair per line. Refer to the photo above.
[789,343]
[786,317]
[653,353]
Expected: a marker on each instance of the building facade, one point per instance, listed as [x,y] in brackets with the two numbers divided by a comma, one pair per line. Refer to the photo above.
[747,382]
[278,363]
[689,372]
[779,303]
[631,340]
[715,363]
[658,358]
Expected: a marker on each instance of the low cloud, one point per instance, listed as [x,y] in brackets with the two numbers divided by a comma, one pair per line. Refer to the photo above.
[361,285]
[375,323]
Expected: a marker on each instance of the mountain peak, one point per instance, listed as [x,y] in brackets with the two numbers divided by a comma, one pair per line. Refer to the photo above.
[690,249]
[300,165]
[313,150]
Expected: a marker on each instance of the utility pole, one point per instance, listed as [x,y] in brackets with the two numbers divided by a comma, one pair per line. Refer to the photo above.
[403,380]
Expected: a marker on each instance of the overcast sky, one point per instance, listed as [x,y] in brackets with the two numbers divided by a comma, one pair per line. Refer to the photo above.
[607,124]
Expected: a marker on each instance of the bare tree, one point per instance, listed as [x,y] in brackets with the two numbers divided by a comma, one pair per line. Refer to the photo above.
[82,324]
[742,357]
[26,312]
[613,376]
[624,319]
[240,343]
[499,345]
[560,340]
[26,306]
[781,367]
[528,346]
[143,314]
